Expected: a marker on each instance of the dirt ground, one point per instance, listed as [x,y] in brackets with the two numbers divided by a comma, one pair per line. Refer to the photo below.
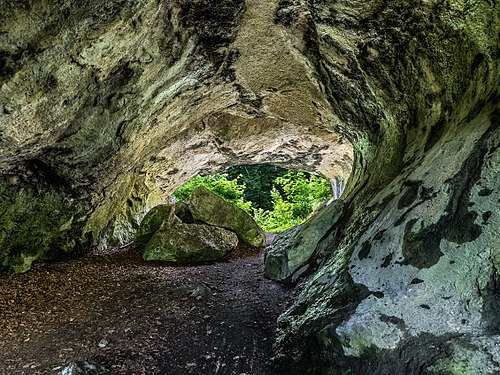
[134,317]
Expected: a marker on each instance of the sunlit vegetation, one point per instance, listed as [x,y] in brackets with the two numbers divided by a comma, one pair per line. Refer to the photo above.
[277,198]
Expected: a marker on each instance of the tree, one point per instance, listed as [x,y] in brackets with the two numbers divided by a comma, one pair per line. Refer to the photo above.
[259,181]
[277,198]
[295,197]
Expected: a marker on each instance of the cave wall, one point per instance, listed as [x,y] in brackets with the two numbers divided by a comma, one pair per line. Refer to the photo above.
[104,108]
[111,106]
[407,280]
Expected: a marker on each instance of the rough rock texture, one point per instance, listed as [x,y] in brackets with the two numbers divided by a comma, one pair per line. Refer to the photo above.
[103,106]
[190,243]
[154,219]
[209,208]
[107,107]
[287,259]
[83,368]
[412,284]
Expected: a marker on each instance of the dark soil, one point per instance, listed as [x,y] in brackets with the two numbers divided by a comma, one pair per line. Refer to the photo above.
[134,317]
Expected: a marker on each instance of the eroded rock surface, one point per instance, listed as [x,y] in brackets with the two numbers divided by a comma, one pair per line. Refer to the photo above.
[288,257]
[207,207]
[189,243]
[106,107]
[412,277]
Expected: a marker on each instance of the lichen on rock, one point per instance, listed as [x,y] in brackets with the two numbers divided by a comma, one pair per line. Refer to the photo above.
[189,243]
[104,109]
[209,208]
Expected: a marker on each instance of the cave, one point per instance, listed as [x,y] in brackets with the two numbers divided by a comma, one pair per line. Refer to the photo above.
[105,107]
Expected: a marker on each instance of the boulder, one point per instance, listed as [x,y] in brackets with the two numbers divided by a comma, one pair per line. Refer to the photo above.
[189,243]
[287,258]
[153,221]
[83,368]
[211,209]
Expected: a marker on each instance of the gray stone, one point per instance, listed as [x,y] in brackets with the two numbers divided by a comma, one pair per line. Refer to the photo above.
[211,209]
[83,368]
[292,248]
[154,220]
[190,243]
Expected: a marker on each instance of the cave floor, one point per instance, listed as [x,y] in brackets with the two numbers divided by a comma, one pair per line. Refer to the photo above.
[135,317]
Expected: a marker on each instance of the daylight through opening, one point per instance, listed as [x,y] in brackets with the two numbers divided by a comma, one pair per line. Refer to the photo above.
[277,198]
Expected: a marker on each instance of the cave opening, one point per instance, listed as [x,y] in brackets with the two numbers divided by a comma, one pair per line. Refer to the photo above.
[105,109]
[276,197]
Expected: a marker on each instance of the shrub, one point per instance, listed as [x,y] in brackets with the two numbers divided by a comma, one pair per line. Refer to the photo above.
[229,190]
[294,197]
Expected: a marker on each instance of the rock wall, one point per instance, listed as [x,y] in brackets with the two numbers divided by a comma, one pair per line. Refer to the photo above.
[111,106]
[410,281]
[107,106]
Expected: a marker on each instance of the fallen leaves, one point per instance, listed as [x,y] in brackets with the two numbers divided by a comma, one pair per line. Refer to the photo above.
[135,317]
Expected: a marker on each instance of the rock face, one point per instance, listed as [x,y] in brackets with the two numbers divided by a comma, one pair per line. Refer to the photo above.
[190,243]
[105,109]
[152,222]
[411,283]
[105,106]
[207,207]
[288,257]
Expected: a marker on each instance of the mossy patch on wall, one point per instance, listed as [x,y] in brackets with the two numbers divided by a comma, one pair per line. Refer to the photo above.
[37,222]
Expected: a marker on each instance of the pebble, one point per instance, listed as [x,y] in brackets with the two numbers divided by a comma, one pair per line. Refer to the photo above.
[103,343]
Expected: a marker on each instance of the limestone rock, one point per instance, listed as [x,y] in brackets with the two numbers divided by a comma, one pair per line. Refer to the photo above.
[190,243]
[211,209]
[154,219]
[292,248]
[103,108]
[83,368]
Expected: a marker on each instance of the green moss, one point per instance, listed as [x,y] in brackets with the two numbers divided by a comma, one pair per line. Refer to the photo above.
[450,367]
[362,345]
[36,222]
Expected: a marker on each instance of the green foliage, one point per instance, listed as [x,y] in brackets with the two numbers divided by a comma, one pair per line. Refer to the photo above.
[228,189]
[277,199]
[295,197]
[259,181]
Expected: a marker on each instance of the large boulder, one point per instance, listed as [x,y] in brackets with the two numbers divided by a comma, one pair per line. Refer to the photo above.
[163,213]
[211,209]
[189,243]
[288,257]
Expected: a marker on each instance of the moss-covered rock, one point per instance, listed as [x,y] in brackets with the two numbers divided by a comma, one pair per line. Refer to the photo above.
[189,243]
[162,214]
[209,208]
[105,108]
[37,222]
[292,249]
